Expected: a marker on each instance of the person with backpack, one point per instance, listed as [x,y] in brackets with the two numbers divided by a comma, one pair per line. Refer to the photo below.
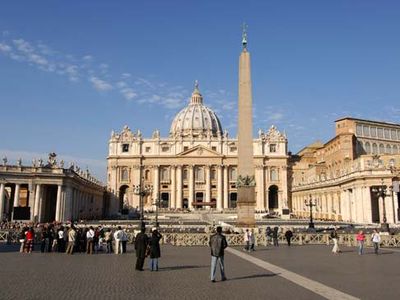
[218,244]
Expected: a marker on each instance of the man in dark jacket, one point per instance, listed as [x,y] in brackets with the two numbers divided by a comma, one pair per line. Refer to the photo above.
[141,242]
[217,244]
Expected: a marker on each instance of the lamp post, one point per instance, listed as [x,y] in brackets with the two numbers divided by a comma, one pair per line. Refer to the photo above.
[141,190]
[310,203]
[381,192]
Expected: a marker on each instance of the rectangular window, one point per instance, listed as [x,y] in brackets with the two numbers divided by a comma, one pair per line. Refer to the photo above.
[164,148]
[214,148]
[125,147]
[359,129]
[373,131]
[366,130]
[272,148]
[380,132]
[185,148]
[148,149]
[387,134]
[233,149]
[394,134]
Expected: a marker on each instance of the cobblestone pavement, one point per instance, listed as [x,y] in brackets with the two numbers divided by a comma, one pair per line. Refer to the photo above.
[184,273]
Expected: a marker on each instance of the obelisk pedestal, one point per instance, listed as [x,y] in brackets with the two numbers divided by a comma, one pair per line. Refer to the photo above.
[245,183]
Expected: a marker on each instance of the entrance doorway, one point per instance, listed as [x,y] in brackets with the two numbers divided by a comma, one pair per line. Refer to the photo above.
[273,202]
[123,199]
[374,207]
[233,200]
[50,203]
[199,200]
[164,201]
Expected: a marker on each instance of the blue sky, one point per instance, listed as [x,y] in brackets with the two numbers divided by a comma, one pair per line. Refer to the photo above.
[72,71]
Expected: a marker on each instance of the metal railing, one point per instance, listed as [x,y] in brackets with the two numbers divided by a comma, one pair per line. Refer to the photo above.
[202,239]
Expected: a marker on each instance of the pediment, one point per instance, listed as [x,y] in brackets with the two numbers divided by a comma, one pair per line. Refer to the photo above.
[199,151]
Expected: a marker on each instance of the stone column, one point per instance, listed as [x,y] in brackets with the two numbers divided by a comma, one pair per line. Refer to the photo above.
[156,184]
[31,188]
[67,204]
[2,197]
[191,187]
[173,187]
[136,180]
[179,187]
[16,195]
[219,188]
[58,203]
[37,203]
[208,184]
[226,187]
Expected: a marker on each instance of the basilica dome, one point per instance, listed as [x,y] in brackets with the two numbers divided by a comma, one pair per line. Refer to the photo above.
[196,120]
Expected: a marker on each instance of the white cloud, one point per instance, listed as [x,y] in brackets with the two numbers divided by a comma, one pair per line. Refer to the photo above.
[275,116]
[87,58]
[4,47]
[126,75]
[128,93]
[100,85]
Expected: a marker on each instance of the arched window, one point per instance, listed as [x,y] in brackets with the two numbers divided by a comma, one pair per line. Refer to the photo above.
[199,174]
[185,174]
[374,148]
[388,149]
[381,149]
[274,174]
[367,148]
[124,174]
[395,149]
[233,174]
[147,175]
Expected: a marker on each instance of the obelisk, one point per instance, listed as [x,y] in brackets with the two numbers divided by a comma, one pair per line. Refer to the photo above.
[245,182]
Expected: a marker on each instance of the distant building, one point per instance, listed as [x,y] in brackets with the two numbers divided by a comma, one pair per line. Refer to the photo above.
[49,192]
[195,167]
[342,174]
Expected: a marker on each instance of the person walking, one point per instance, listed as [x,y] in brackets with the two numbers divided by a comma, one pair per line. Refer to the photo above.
[124,240]
[288,236]
[22,239]
[89,240]
[275,236]
[376,240]
[71,240]
[117,239]
[218,244]
[246,239]
[334,237]
[360,240]
[252,240]
[155,250]
[108,239]
[30,236]
[141,242]
[268,236]
[43,237]
[60,240]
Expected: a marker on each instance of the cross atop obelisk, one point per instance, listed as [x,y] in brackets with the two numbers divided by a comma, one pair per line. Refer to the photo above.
[245,183]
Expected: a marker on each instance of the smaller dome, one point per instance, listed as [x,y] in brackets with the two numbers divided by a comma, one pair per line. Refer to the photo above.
[196,119]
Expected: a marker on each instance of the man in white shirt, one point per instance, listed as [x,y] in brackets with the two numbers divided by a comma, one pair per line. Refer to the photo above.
[376,240]
[118,237]
[89,240]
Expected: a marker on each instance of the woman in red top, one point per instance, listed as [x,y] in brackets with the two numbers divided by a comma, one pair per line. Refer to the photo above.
[30,235]
[360,239]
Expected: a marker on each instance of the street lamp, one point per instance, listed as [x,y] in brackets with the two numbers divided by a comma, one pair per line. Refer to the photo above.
[311,203]
[141,190]
[381,192]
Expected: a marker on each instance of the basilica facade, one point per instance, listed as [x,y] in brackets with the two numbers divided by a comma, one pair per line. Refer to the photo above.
[195,167]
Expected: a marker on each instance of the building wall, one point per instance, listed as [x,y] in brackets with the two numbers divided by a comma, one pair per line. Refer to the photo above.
[187,166]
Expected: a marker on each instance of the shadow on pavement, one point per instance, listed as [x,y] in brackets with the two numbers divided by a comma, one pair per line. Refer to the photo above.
[182,268]
[253,276]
